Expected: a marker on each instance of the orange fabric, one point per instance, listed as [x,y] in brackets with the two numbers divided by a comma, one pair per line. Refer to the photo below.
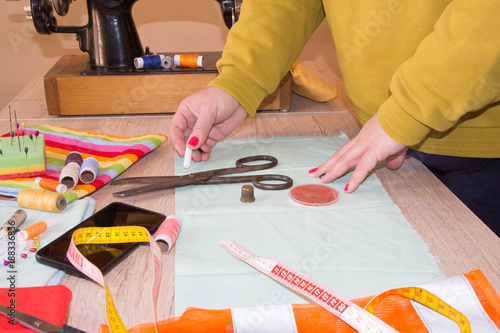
[192,320]
[395,310]
[487,296]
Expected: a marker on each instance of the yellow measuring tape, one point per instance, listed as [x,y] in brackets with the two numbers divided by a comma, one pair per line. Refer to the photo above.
[428,299]
[90,249]
[112,235]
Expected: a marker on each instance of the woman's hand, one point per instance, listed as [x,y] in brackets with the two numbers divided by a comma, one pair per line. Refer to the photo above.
[369,147]
[204,118]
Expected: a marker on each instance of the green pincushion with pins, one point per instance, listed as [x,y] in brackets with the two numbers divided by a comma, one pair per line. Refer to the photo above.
[22,156]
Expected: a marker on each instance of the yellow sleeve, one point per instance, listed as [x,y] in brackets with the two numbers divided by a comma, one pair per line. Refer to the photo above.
[454,73]
[262,46]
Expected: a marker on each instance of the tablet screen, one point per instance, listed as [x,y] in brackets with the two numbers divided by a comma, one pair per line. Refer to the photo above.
[103,256]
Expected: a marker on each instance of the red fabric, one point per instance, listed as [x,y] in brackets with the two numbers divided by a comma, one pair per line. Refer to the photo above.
[49,303]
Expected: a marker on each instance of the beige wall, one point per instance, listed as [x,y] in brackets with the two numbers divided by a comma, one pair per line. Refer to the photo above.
[163,25]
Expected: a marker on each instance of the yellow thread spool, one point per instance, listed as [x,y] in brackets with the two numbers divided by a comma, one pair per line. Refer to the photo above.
[46,201]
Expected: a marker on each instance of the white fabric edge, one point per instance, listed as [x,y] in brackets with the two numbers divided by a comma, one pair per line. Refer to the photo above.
[264,319]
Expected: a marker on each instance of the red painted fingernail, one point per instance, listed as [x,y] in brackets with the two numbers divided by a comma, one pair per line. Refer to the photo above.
[194,141]
[346,188]
[313,170]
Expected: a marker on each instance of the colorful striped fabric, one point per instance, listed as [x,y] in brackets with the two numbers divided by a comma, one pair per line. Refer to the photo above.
[114,153]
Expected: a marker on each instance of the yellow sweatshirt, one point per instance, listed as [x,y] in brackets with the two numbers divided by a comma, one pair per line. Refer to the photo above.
[430,68]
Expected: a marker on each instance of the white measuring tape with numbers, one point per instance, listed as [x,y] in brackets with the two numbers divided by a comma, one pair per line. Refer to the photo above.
[347,311]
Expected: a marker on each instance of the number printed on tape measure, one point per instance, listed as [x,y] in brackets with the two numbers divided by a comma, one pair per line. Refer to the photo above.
[311,288]
[428,299]
[344,309]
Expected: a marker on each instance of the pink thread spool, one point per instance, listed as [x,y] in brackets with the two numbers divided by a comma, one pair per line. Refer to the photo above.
[168,232]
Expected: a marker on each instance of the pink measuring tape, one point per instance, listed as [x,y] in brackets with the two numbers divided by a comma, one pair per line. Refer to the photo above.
[167,233]
[353,315]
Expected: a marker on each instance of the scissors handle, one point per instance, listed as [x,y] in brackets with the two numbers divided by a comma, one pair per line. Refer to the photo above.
[241,167]
[281,182]
[258,181]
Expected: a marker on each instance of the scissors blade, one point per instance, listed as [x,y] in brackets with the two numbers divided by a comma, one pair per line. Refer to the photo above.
[35,323]
[173,182]
[143,180]
[29,321]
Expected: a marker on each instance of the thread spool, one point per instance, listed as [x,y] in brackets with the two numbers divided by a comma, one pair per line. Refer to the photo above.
[167,62]
[89,170]
[168,232]
[46,201]
[51,185]
[75,157]
[69,175]
[149,61]
[188,60]
[36,229]
[13,222]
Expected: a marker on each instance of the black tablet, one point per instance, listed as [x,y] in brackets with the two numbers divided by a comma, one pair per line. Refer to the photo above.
[103,256]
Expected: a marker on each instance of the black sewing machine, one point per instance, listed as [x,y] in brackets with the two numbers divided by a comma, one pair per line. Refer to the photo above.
[79,85]
[110,37]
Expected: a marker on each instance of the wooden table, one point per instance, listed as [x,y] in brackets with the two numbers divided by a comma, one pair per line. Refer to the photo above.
[458,240]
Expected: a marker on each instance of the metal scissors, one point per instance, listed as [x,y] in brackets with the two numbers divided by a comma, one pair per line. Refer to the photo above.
[35,323]
[281,182]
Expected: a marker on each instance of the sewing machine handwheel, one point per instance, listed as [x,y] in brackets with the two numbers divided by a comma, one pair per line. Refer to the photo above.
[61,6]
[230,11]
[41,13]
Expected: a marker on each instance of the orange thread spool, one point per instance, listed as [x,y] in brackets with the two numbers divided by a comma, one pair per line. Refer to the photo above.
[46,201]
[51,185]
[188,60]
[36,229]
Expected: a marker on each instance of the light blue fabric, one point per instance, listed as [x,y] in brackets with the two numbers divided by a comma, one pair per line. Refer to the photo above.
[359,246]
[28,272]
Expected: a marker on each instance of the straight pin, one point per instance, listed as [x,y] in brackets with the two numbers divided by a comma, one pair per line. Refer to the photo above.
[24,132]
[10,123]
[26,151]
[36,137]
[17,126]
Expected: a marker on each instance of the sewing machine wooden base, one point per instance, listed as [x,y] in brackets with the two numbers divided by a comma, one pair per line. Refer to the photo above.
[72,89]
